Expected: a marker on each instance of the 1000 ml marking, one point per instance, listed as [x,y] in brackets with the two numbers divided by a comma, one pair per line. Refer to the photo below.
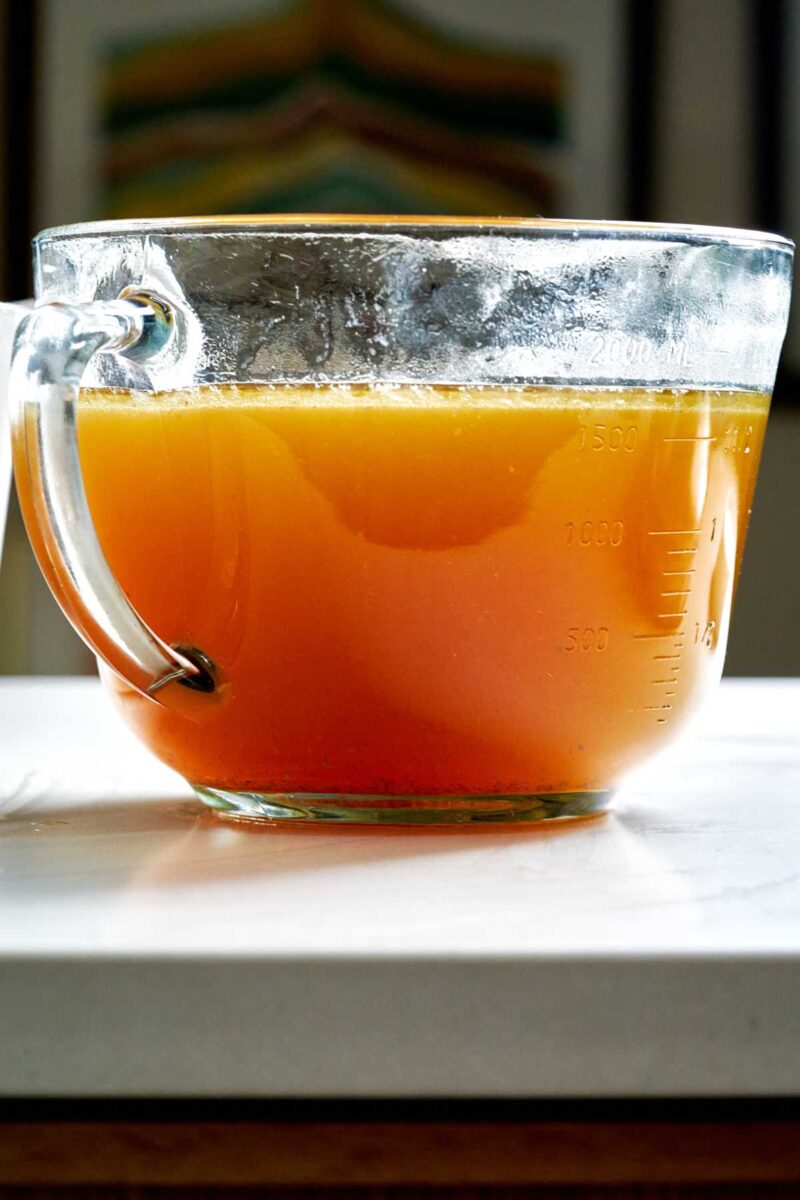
[595,533]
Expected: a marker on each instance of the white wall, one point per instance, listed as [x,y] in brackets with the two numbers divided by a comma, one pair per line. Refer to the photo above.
[703,168]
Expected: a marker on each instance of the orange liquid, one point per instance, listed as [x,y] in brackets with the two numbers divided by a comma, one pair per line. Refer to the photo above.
[425,590]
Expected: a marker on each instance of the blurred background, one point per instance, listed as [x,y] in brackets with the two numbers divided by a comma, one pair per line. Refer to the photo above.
[666,110]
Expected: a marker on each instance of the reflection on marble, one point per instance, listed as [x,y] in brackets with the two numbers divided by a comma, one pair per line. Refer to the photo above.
[104,850]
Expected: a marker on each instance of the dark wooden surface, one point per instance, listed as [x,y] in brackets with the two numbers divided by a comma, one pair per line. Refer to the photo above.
[646,1192]
[401,1158]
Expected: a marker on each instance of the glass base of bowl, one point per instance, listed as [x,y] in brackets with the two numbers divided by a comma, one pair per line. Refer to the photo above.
[307,808]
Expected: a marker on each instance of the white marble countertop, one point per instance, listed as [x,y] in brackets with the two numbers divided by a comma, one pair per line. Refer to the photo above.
[148,949]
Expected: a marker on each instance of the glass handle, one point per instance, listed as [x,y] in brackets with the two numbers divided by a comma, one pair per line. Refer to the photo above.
[52,349]
[10,317]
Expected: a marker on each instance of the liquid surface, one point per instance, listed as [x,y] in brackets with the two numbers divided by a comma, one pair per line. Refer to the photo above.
[425,590]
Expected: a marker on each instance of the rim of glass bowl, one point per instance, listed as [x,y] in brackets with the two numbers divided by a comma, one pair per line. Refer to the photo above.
[356,223]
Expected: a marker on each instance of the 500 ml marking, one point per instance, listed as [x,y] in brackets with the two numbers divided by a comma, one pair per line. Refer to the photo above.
[587,639]
[595,533]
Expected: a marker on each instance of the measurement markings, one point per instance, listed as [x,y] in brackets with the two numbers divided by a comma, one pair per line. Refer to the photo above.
[673,578]
[700,437]
[645,637]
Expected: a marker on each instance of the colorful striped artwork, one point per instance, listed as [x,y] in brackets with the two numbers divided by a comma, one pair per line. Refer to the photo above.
[329,106]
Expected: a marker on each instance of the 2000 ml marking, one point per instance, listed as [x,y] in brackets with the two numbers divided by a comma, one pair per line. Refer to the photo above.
[628,350]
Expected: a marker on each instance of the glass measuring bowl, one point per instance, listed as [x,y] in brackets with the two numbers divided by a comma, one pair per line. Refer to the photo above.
[401,521]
